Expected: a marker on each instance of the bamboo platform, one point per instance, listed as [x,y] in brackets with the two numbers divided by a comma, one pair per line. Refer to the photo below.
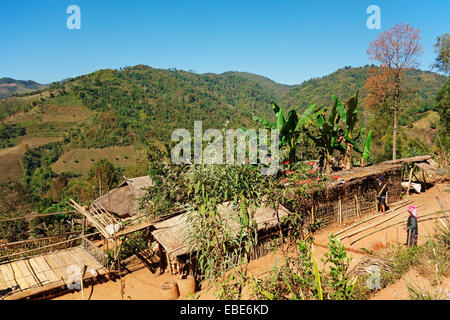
[43,271]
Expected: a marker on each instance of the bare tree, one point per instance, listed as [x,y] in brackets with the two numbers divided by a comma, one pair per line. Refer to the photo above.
[396,50]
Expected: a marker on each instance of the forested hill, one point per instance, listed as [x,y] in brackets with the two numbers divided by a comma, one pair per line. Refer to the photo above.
[140,103]
[9,86]
[346,81]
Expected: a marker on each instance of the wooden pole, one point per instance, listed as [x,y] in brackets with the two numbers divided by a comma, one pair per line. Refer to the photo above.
[373,217]
[82,285]
[385,239]
[397,239]
[443,211]
[340,211]
[377,223]
[389,226]
[409,180]
[424,180]
[83,232]
[358,210]
[169,263]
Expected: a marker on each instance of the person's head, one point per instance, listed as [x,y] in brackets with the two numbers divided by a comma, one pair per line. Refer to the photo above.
[412,210]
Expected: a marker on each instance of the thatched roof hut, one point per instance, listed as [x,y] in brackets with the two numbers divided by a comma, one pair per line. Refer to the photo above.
[123,200]
[171,232]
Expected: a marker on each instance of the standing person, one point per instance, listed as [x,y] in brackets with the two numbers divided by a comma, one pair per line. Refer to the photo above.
[412,228]
[381,194]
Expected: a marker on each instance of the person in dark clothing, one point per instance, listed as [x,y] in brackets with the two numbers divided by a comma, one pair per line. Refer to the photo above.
[381,194]
[411,227]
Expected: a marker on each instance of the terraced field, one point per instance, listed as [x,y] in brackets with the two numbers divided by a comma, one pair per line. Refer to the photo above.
[10,164]
[80,160]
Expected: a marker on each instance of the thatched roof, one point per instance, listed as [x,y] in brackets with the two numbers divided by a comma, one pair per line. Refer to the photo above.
[380,169]
[123,200]
[171,233]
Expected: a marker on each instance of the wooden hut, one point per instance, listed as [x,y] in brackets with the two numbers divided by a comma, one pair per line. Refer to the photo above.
[171,233]
[123,201]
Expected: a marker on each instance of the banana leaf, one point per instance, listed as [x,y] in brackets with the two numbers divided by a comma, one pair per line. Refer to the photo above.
[316,273]
[290,125]
[306,116]
[265,123]
[275,108]
[353,142]
[366,151]
[280,119]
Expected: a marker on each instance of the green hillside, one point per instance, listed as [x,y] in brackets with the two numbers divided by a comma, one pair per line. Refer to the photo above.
[346,81]
[137,105]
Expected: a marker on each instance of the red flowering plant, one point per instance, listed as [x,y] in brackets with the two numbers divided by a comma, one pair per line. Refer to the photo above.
[301,175]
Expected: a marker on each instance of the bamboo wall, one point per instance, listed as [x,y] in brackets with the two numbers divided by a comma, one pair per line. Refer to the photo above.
[355,199]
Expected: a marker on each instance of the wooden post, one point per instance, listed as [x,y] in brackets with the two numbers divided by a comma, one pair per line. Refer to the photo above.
[161,259]
[409,179]
[83,232]
[376,203]
[340,210]
[424,180]
[397,239]
[358,211]
[82,285]
[169,263]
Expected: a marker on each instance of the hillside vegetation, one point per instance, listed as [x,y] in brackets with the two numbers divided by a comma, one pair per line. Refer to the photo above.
[141,105]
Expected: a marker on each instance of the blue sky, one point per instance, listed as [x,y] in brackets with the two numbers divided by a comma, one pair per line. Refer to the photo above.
[287,41]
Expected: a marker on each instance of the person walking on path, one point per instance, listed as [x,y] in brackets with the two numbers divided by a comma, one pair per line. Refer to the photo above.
[412,229]
[381,194]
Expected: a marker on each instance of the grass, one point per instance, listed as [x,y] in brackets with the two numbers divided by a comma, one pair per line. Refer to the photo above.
[10,164]
[79,161]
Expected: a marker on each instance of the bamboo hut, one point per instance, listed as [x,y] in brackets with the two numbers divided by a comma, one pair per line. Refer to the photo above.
[123,201]
[171,233]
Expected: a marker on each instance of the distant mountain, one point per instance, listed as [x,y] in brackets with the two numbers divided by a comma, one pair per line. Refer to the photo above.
[9,86]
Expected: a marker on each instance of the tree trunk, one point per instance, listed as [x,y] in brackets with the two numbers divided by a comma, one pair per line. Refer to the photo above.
[348,157]
[328,168]
[394,133]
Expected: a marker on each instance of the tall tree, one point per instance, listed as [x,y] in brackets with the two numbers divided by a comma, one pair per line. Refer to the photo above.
[103,175]
[396,50]
[442,49]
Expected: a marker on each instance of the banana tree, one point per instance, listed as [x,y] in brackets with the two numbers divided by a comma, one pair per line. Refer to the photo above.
[290,129]
[349,116]
[327,135]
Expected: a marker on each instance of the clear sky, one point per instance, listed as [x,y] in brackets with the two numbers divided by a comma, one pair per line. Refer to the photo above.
[287,41]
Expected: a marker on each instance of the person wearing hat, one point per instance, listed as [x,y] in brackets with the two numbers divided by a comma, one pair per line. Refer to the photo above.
[381,194]
[412,229]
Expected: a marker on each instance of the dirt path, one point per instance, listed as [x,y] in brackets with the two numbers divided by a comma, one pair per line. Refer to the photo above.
[142,284]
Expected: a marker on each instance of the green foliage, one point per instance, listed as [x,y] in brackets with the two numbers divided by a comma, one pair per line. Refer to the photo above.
[294,279]
[442,49]
[291,130]
[8,134]
[339,285]
[443,107]
[298,277]
[327,135]
[103,176]
[14,205]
